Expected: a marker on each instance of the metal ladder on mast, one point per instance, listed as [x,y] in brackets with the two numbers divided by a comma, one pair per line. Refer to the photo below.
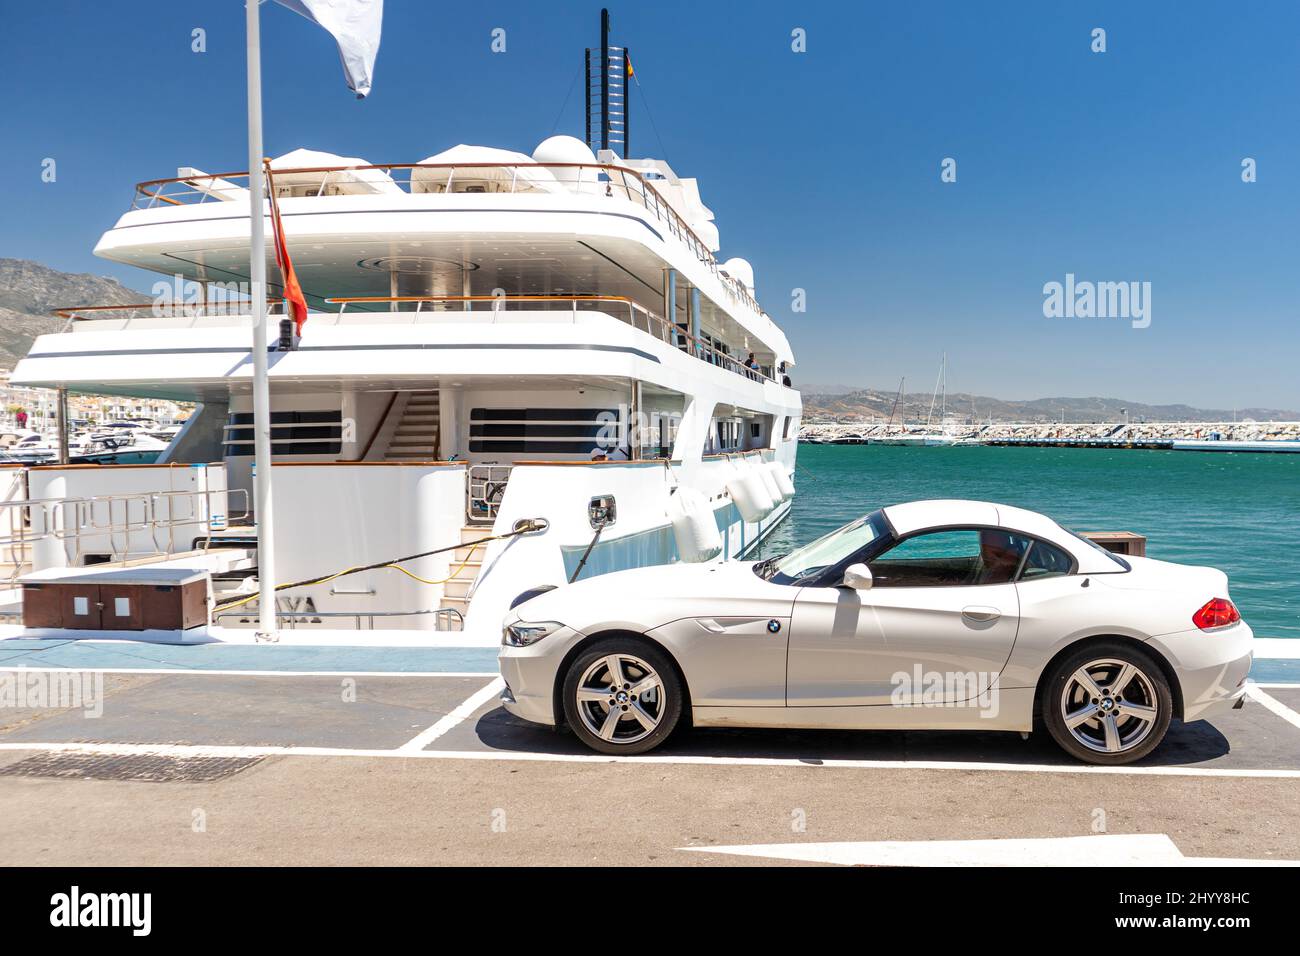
[608,71]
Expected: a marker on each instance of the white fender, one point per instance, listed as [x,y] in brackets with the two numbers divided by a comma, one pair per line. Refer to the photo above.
[769,482]
[782,478]
[749,493]
[694,526]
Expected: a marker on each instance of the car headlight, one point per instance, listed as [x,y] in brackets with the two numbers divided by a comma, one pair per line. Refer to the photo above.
[520,634]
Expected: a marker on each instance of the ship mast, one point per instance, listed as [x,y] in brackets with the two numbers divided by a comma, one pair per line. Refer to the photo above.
[608,70]
[941,381]
[897,399]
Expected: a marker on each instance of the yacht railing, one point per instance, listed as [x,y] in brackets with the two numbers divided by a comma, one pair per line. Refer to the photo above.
[486,484]
[150,310]
[420,308]
[435,178]
[445,618]
[623,309]
[119,522]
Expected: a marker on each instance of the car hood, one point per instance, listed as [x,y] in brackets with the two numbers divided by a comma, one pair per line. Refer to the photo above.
[651,596]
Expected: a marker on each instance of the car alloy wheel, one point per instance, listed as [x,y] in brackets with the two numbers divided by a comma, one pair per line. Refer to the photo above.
[621,699]
[1109,706]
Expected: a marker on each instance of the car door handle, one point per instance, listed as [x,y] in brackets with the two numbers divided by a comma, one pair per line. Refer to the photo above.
[980,615]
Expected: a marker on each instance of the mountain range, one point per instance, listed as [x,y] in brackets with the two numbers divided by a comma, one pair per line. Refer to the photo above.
[29,291]
[836,403]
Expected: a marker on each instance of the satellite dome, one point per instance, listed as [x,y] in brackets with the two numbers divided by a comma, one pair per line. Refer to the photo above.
[740,270]
[563,149]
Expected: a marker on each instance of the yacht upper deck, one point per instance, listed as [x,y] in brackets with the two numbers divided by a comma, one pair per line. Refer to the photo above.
[457,224]
[514,179]
[360,312]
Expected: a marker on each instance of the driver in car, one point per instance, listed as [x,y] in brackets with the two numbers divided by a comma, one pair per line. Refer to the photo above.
[1000,556]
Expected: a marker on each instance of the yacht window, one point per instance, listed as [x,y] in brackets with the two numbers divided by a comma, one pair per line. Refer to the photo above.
[307,432]
[563,431]
[667,428]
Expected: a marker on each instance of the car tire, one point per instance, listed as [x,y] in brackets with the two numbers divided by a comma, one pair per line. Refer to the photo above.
[645,719]
[1096,721]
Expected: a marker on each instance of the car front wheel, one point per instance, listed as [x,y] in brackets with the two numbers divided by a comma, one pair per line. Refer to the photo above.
[1108,703]
[622,696]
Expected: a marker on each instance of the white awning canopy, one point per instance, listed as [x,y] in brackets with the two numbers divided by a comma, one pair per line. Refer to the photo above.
[342,177]
[509,172]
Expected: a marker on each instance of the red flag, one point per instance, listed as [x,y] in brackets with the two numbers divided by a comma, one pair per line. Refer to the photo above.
[292,290]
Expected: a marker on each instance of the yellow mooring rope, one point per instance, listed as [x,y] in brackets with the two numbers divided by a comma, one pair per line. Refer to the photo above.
[394,565]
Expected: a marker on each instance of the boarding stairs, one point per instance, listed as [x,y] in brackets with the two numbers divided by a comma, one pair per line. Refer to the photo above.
[466,562]
[416,436]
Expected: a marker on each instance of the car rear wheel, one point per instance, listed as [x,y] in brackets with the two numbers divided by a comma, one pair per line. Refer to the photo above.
[1108,703]
[622,696]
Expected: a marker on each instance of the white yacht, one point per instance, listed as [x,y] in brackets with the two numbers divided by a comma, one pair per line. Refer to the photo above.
[497,340]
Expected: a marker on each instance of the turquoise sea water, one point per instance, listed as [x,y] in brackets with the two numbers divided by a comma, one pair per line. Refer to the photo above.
[1237,512]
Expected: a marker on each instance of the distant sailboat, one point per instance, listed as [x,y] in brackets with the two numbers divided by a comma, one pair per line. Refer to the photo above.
[896,438]
[932,436]
[941,437]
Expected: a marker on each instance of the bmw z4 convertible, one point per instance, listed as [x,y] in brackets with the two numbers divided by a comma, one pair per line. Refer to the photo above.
[940,615]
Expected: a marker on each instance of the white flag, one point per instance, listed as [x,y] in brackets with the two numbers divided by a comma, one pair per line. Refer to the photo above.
[355,25]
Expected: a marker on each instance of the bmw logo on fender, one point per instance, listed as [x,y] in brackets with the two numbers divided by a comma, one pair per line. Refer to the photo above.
[774,626]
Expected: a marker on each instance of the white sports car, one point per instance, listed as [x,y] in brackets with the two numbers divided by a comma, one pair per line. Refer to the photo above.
[943,615]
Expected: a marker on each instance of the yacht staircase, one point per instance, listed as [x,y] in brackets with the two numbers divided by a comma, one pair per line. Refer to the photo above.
[456,592]
[416,436]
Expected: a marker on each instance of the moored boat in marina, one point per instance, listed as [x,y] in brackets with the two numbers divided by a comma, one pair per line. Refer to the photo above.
[515,369]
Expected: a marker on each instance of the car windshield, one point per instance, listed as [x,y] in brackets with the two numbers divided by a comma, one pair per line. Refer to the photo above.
[802,564]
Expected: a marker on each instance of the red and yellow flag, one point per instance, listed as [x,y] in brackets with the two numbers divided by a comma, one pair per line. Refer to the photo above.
[293,296]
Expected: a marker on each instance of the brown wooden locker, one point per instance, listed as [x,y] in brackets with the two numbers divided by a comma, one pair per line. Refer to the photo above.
[42,605]
[175,606]
[116,599]
[82,607]
[121,607]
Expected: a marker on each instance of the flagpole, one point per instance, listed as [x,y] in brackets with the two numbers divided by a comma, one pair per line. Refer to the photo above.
[261,388]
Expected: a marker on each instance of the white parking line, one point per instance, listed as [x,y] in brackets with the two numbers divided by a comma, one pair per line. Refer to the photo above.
[1277,649]
[241,673]
[1272,703]
[192,750]
[464,710]
[1101,850]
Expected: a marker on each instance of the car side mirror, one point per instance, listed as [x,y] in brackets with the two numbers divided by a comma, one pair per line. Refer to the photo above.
[858,577]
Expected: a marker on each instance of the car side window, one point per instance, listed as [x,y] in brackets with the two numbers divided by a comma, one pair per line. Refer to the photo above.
[1045,561]
[951,557]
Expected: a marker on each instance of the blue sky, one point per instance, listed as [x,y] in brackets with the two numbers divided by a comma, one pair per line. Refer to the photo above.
[823,167]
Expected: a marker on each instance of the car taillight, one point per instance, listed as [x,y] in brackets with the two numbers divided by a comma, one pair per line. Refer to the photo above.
[1219,612]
